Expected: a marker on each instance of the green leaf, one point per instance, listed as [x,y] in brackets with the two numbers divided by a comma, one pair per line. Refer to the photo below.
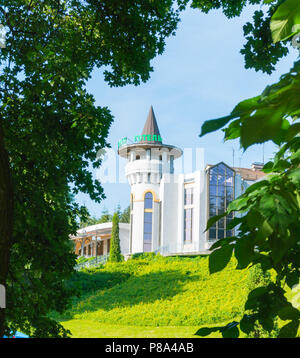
[232,332]
[205,331]
[247,323]
[238,204]
[256,186]
[284,19]
[222,242]
[264,261]
[295,176]
[219,258]
[244,252]
[214,219]
[235,221]
[214,124]
[264,125]
[246,106]
[233,130]
[289,313]
[289,330]
[253,297]
[264,231]
[292,279]
[268,167]
[296,156]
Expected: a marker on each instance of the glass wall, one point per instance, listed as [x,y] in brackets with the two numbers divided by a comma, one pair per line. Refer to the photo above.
[148,213]
[221,193]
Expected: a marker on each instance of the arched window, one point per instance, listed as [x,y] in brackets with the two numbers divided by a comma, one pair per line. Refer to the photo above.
[221,193]
[148,200]
[148,216]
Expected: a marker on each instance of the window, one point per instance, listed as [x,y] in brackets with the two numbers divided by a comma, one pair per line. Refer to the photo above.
[148,200]
[188,196]
[221,193]
[148,154]
[172,164]
[148,212]
[188,225]
[188,214]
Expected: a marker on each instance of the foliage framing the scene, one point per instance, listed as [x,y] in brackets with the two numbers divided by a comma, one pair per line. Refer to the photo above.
[268,230]
[50,128]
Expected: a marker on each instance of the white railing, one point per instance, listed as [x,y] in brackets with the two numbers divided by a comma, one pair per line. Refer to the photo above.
[92,263]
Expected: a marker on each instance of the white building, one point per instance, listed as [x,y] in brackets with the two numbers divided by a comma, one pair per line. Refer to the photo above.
[169,212]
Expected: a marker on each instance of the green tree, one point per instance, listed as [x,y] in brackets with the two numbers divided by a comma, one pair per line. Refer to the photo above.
[105,217]
[125,215]
[88,220]
[115,250]
[269,228]
[50,129]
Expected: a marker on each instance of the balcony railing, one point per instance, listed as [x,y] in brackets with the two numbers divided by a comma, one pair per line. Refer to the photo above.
[92,263]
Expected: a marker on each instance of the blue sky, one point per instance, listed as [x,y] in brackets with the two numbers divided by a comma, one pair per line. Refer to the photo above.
[200,76]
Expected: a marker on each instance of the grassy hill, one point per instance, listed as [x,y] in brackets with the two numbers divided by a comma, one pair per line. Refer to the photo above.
[155,295]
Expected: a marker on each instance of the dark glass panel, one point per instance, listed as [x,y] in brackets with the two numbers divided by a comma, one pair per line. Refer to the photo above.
[148,227]
[221,190]
[212,179]
[188,196]
[230,216]
[220,234]
[148,217]
[212,234]
[229,181]
[229,172]
[220,205]
[228,233]
[222,169]
[214,171]
[221,180]
[221,223]
[147,230]
[147,236]
[229,192]
[213,190]
[148,201]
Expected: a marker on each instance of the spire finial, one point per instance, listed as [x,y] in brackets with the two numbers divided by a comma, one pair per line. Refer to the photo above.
[151,128]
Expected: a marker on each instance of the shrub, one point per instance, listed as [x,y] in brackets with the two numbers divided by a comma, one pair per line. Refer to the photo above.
[115,250]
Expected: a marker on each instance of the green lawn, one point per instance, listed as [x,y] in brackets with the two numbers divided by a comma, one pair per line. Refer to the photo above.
[92,329]
[155,296]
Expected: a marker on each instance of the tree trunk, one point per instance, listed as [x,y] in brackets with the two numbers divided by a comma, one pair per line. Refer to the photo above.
[6,218]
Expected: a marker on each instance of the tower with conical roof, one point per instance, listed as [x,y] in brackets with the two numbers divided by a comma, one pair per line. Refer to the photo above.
[148,160]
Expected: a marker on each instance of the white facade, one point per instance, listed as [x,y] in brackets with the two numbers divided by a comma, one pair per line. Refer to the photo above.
[168,234]
[94,240]
[169,212]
